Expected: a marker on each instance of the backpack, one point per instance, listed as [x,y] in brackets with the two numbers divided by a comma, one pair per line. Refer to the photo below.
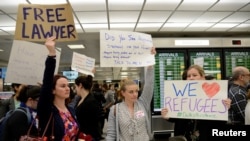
[4,119]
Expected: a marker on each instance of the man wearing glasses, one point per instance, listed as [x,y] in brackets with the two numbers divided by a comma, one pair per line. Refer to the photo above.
[237,93]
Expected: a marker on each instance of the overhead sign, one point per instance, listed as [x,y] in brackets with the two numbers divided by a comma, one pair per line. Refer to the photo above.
[125,49]
[38,22]
[196,99]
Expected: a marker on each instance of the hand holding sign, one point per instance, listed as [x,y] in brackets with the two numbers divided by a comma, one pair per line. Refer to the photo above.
[50,44]
[164,113]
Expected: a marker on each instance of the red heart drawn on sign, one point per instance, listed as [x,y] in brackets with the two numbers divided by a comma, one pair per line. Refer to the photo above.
[211,89]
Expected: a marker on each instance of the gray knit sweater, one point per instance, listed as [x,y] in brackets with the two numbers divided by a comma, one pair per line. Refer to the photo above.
[123,127]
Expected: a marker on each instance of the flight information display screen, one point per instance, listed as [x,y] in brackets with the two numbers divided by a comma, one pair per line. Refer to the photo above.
[168,66]
[236,58]
[210,61]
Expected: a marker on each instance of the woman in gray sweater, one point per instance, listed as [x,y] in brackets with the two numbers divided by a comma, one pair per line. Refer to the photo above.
[130,119]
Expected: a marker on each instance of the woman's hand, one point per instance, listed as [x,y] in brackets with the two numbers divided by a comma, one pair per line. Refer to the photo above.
[227,102]
[164,113]
[93,70]
[50,44]
[153,52]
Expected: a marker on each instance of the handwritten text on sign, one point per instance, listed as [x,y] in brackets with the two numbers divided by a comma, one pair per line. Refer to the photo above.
[83,64]
[27,62]
[196,99]
[38,22]
[125,49]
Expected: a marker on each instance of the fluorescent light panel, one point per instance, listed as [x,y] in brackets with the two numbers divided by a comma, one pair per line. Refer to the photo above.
[47,1]
[8,28]
[176,24]
[191,42]
[124,73]
[76,46]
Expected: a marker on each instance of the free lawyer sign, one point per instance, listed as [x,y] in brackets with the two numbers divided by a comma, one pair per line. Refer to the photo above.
[37,22]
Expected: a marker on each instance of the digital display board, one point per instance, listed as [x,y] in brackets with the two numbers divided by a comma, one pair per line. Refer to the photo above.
[168,66]
[236,58]
[3,72]
[210,61]
[71,75]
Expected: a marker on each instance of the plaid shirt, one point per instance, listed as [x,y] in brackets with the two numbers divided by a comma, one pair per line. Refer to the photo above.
[239,101]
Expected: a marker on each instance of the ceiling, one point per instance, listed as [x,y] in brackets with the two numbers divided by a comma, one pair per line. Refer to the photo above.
[160,18]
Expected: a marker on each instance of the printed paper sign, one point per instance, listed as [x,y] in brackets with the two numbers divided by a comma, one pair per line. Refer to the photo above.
[196,99]
[125,49]
[199,61]
[83,64]
[6,95]
[27,63]
[38,22]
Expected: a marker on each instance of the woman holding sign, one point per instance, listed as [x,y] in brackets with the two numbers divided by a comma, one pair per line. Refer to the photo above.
[199,131]
[129,120]
[54,92]
[247,110]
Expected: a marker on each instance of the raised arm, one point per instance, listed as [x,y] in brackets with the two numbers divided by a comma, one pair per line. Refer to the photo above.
[147,92]
[45,102]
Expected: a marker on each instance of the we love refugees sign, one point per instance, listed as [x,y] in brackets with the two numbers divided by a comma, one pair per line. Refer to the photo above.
[196,99]
[37,22]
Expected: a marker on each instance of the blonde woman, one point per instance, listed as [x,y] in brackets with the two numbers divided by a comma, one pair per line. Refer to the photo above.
[200,128]
[130,119]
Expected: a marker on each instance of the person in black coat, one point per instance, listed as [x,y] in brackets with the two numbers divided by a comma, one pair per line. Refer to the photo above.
[87,108]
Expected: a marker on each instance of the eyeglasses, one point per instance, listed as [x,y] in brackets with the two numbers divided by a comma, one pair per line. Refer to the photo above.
[246,75]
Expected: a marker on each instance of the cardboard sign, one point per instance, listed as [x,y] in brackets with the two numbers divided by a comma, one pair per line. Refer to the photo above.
[83,64]
[125,49]
[38,22]
[27,62]
[196,99]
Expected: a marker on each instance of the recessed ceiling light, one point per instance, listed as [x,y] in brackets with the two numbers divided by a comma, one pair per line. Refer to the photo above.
[1,50]
[76,46]
[124,73]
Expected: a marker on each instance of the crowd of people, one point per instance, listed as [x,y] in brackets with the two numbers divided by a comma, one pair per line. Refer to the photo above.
[85,109]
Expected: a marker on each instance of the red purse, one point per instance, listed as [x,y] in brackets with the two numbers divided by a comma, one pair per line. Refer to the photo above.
[28,137]
[84,137]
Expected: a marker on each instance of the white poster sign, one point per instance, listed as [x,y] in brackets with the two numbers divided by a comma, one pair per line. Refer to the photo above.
[196,99]
[83,64]
[27,63]
[125,49]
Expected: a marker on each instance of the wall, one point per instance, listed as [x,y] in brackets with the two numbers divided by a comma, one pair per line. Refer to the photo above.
[213,42]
